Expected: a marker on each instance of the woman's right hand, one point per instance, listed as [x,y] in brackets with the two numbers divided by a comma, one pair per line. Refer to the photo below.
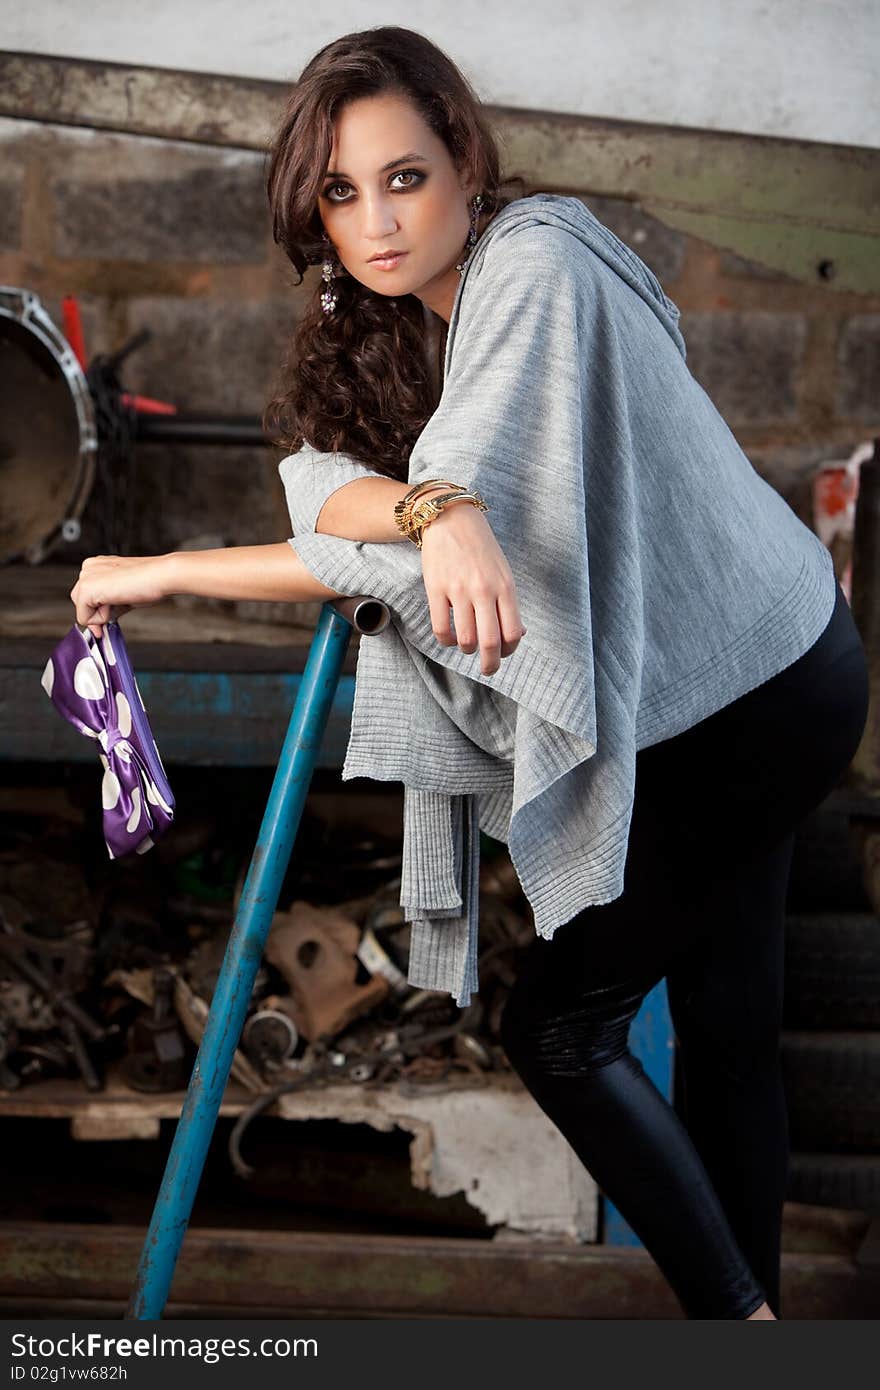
[464,568]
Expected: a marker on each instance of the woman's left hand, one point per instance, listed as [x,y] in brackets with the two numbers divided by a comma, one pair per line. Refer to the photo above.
[110,585]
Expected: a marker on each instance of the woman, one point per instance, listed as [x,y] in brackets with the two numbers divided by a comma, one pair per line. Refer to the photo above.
[690,684]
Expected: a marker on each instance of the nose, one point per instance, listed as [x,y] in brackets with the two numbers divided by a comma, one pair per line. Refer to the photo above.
[380,218]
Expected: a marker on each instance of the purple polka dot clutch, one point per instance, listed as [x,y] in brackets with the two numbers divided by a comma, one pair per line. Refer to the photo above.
[90,682]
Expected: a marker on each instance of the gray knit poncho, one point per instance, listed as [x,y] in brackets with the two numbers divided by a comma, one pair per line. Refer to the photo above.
[658,575]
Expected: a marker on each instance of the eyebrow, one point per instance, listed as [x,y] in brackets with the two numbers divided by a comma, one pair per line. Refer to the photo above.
[404,159]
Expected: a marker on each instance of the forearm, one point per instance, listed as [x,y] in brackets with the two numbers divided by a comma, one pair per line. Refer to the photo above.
[272,572]
[363,510]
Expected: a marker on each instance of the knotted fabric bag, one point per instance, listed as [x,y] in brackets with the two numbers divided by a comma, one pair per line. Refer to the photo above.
[90,682]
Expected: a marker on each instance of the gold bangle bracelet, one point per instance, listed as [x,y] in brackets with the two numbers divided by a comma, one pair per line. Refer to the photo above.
[428,510]
[428,482]
[410,496]
[403,509]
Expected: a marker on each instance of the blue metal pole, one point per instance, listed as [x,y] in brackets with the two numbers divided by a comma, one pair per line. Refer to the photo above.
[244,952]
[652,1042]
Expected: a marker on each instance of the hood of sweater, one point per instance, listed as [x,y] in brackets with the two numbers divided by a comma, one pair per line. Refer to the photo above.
[572,215]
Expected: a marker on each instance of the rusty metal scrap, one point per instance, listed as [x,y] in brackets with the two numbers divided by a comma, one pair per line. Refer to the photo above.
[40,975]
[129,987]
[403,1053]
[315,949]
[157,1055]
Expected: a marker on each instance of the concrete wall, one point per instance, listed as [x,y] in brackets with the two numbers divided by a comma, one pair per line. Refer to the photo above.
[174,237]
[801,68]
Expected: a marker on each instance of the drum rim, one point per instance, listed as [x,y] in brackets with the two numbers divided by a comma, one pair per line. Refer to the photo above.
[25,307]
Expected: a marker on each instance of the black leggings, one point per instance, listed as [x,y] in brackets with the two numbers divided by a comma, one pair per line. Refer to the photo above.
[706,875]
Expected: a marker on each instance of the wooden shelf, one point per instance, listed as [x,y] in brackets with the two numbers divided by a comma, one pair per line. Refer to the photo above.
[119,1112]
[116,1112]
[180,634]
[219,685]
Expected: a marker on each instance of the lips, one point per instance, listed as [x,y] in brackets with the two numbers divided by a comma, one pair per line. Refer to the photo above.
[388,262]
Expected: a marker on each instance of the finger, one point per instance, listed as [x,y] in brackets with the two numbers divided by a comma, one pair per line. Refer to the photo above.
[81,613]
[486,612]
[510,620]
[89,612]
[83,609]
[101,616]
[438,604]
[465,624]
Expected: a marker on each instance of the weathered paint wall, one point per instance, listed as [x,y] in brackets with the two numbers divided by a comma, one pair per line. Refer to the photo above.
[802,68]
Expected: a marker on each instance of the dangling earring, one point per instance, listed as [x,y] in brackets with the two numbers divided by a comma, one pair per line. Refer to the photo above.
[329,297]
[476,204]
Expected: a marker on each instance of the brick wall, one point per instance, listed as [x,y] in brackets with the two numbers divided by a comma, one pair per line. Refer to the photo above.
[175,237]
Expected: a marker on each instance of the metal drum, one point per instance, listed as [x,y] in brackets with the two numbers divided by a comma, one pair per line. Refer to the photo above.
[48,436]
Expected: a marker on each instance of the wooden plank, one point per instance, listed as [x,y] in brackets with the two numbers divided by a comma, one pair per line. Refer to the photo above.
[171,104]
[198,718]
[317,1274]
[793,205]
[219,688]
[177,634]
[61,1097]
[338,1274]
[196,655]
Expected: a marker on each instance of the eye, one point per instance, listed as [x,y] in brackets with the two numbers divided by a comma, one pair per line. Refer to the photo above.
[411,174]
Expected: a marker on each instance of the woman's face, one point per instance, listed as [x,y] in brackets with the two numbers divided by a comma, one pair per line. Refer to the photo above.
[418,205]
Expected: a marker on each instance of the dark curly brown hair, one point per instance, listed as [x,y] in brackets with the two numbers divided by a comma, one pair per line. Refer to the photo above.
[358,381]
